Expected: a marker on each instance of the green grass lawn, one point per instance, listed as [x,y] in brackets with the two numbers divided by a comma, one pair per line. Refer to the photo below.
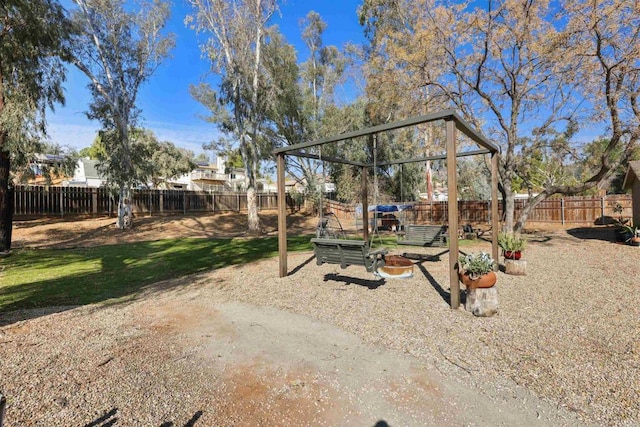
[34,278]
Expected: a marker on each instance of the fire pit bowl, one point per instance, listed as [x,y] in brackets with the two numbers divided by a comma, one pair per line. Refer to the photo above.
[396,267]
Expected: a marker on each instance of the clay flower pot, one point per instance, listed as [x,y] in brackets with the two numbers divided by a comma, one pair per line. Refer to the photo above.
[484,281]
[512,255]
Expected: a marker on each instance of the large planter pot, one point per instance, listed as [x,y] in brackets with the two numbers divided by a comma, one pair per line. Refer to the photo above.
[484,281]
[512,255]
[634,241]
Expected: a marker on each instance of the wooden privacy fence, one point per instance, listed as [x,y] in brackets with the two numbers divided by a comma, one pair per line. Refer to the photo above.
[567,210]
[61,201]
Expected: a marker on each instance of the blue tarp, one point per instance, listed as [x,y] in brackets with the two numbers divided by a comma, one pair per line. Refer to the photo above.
[384,208]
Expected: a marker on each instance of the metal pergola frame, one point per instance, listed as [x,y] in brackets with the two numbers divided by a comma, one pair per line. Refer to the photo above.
[453,123]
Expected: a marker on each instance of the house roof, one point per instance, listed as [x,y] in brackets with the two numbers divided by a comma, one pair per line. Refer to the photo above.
[633,173]
[90,170]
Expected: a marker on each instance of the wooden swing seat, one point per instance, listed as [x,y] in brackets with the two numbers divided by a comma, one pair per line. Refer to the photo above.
[423,235]
[348,252]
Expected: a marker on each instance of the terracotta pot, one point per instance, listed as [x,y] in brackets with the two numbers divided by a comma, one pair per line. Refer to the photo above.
[513,254]
[484,281]
[634,241]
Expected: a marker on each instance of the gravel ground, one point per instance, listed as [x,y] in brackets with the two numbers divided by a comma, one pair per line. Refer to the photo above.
[569,331]
[565,345]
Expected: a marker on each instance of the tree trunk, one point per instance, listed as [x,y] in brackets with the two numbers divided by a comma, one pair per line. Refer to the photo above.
[509,209]
[429,181]
[482,302]
[125,214]
[253,219]
[527,209]
[515,267]
[6,203]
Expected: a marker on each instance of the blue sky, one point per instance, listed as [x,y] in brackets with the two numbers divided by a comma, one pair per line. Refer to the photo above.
[167,108]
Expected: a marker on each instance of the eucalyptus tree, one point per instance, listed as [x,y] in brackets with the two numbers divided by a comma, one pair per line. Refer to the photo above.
[303,93]
[167,161]
[119,47]
[154,162]
[395,71]
[32,33]
[236,31]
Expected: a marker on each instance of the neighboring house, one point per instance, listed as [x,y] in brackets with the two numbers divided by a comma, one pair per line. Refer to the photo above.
[632,182]
[38,167]
[209,177]
[86,175]
[300,186]
[267,186]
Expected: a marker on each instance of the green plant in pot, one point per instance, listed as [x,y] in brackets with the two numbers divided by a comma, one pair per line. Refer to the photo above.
[512,245]
[632,234]
[621,228]
[477,270]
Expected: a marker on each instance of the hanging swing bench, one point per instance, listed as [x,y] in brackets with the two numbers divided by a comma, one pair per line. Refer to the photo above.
[358,252]
[423,235]
[348,252]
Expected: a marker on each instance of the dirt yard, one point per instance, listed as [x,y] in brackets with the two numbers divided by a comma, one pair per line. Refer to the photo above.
[326,346]
[70,233]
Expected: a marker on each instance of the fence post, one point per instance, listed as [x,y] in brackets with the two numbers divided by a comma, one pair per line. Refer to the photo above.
[62,202]
[562,210]
[184,201]
[238,201]
[94,201]
[489,211]
[602,208]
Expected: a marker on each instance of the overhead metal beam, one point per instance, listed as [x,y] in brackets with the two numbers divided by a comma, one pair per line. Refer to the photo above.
[462,125]
[434,157]
[369,131]
[325,158]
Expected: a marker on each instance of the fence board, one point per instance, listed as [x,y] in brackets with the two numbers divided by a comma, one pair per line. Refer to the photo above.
[571,210]
[60,201]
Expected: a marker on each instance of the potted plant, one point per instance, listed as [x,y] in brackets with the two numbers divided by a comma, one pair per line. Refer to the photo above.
[477,270]
[632,234]
[512,245]
[621,229]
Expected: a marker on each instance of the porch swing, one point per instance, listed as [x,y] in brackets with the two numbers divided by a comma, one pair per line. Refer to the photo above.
[359,252]
[424,235]
[348,252]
